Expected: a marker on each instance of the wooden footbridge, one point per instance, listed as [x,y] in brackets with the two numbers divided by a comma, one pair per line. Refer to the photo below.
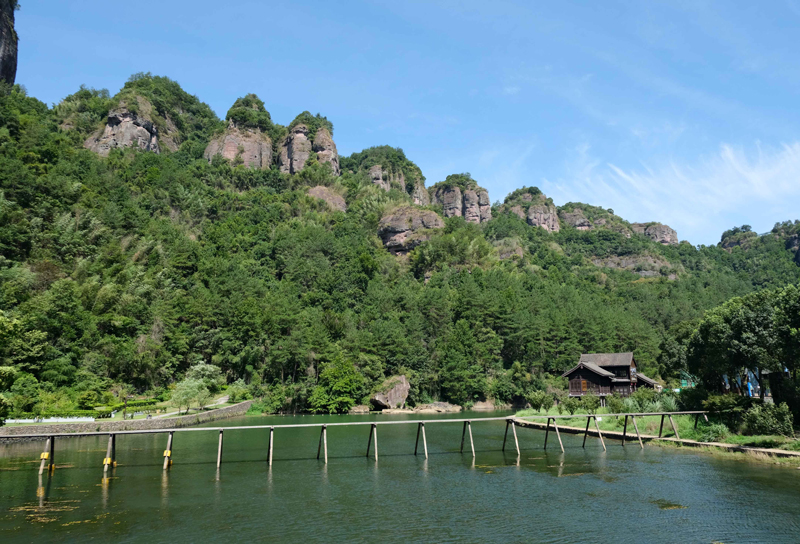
[110,460]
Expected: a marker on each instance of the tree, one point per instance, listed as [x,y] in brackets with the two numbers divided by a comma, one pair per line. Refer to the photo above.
[186,392]
[340,385]
[591,402]
[5,408]
[571,405]
[538,400]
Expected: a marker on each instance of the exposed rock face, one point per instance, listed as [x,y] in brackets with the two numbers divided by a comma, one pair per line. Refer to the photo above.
[644,265]
[657,232]
[295,150]
[360,409]
[544,215]
[251,146]
[436,408]
[407,227]
[334,201]
[325,149]
[489,406]
[297,147]
[420,195]
[576,218]
[124,129]
[8,42]
[473,204]
[376,175]
[393,394]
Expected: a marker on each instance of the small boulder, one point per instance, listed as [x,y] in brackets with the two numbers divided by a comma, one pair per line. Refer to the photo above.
[393,393]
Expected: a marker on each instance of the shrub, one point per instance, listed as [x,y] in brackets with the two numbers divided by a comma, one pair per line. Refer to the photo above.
[571,405]
[715,432]
[669,403]
[769,419]
[631,405]
[88,400]
[547,403]
[591,402]
[615,404]
[537,399]
[653,406]
[238,391]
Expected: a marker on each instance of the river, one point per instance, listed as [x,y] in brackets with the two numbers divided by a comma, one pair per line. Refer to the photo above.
[585,495]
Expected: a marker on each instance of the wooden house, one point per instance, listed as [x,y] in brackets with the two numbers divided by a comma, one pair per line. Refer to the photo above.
[605,374]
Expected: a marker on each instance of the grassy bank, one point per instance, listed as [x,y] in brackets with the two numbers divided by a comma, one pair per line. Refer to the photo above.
[705,432]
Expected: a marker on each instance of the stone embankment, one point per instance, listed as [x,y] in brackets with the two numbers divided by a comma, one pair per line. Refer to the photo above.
[631,437]
[14,433]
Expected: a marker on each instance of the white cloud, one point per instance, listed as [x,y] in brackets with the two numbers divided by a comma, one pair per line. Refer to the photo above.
[511,90]
[733,186]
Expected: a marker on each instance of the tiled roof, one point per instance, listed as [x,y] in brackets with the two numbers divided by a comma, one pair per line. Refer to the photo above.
[608,359]
[593,367]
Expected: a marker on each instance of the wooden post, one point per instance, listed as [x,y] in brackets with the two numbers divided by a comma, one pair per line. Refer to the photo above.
[219,450]
[624,430]
[168,452]
[463,434]
[369,440]
[696,418]
[546,433]
[45,455]
[375,439]
[107,458]
[674,428]
[560,443]
[514,430]
[52,457]
[599,433]
[586,432]
[705,416]
[319,446]
[325,442]
[661,427]
[424,441]
[271,444]
[506,435]
[416,444]
[114,451]
[471,443]
[639,436]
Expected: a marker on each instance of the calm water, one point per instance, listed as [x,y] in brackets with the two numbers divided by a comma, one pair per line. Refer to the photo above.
[623,495]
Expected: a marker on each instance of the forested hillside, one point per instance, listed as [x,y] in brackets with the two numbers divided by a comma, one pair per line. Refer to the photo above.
[127,264]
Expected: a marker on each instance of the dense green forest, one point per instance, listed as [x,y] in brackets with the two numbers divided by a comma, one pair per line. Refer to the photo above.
[121,273]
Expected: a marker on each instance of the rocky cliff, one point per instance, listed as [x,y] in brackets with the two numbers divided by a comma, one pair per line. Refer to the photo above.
[461,196]
[530,204]
[248,146]
[387,167]
[308,133]
[8,41]
[657,232]
[407,227]
[124,129]
[334,200]
[246,140]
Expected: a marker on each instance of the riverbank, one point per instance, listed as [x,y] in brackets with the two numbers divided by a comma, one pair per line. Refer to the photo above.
[22,432]
[630,437]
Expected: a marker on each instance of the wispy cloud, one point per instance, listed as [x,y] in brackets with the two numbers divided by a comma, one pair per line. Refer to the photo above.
[757,186]
[511,90]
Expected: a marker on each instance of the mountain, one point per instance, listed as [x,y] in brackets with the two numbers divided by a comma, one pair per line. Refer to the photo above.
[140,235]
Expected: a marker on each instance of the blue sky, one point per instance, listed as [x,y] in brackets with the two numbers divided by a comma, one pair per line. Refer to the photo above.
[679,112]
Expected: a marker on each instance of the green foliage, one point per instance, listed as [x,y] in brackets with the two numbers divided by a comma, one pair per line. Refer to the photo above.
[340,386]
[615,404]
[591,402]
[210,375]
[187,392]
[537,399]
[769,419]
[129,270]
[5,409]
[238,391]
[88,400]
[249,112]
[313,123]
[716,432]
[462,181]
[572,405]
